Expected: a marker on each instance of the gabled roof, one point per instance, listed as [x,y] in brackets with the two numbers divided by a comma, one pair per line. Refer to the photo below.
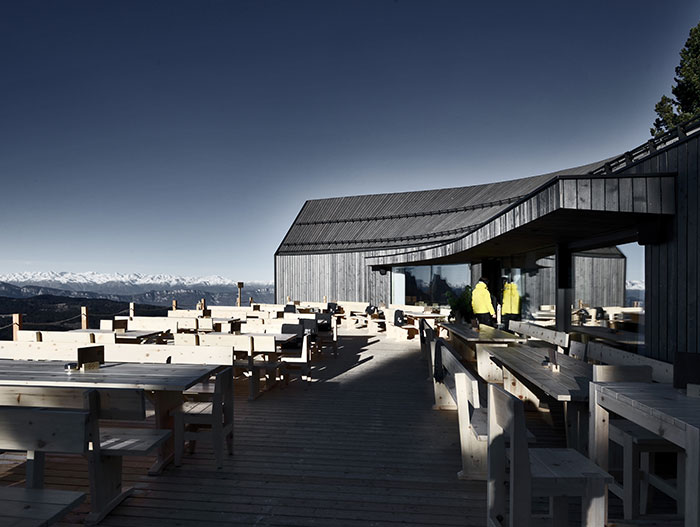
[407,219]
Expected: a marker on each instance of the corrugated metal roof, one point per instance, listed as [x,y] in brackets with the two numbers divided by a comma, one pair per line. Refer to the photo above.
[406,219]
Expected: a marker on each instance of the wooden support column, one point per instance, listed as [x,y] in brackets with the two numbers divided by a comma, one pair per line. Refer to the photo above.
[565,286]
[83,317]
[131,309]
[16,325]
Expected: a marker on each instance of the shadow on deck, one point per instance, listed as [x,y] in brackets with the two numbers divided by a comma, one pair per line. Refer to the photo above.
[359,446]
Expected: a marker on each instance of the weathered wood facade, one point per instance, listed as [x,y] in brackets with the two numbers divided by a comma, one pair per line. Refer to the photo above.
[338,247]
[672,265]
[650,195]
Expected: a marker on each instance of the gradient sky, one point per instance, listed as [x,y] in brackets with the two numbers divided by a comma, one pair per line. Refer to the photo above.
[184,137]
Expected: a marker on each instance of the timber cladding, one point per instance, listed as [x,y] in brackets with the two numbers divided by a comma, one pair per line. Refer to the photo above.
[337,276]
[672,266]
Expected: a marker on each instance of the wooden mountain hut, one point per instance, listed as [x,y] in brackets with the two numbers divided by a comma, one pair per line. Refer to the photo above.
[549,228]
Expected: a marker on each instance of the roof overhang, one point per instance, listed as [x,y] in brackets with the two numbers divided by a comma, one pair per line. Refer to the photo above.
[583,212]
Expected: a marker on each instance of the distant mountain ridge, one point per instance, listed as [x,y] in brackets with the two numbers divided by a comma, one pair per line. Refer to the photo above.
[120,282]
[635,285]
[158,289]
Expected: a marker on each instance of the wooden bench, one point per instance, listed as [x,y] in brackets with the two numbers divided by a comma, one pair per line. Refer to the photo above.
[455,388]
[598,352]
[244,349]
[399,331]
[72,426]
[557,473]
[559,339]
[22,507]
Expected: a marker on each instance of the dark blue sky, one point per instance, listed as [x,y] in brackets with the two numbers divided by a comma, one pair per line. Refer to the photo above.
[183,137]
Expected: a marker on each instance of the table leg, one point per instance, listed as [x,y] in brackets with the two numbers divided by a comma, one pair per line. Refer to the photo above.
[692,477]
[576,421]
[163,402]
[598,448]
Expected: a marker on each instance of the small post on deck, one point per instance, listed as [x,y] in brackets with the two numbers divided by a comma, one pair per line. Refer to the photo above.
[16,325]
[250,300]
[131,309]
[174,305]
[565,285]
[289,299]
[325,299]
[83,317]
[240,293]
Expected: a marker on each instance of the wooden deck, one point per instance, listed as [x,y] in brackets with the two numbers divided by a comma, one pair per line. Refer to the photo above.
[360,446]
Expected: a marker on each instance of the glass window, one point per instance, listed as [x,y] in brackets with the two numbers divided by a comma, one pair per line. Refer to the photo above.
[428,284]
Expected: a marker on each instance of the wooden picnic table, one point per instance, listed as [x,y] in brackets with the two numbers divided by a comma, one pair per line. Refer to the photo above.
[569,385]
[627,339]
[476,340]
[660,408]
[280,338]
[485,334]
[126,337]
[163,383]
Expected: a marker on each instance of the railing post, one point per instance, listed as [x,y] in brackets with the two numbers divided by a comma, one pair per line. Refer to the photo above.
[131,309]
[174,305]
[83,317]
[240,292]
[16,325]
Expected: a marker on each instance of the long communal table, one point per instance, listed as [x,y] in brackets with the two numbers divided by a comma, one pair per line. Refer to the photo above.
[163,383]
[127,337]
[627,339]
[659,408]
[477,339]
[569,385]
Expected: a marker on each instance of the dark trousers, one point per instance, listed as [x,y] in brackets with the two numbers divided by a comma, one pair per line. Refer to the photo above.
[507,318]
[485,318]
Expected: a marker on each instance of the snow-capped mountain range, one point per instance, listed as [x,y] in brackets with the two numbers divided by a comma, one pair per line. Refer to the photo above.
[122,283]
[635,284]
[159,289]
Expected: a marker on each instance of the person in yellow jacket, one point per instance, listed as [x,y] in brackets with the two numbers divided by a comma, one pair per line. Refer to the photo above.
[481,303]
[511,303]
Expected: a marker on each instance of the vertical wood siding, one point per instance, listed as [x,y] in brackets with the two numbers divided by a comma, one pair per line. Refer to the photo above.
[337,276]
[672,268]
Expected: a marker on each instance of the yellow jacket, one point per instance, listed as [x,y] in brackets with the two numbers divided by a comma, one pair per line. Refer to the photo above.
[511,299]
[481,300]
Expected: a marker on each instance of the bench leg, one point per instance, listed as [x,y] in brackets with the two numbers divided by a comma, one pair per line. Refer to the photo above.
[646,490]
[630,478]
[217,440]
[594,504]
[474,455]
[559,507]
[680,483]
[36,461]
[179,439]
[105,486]
[254,383]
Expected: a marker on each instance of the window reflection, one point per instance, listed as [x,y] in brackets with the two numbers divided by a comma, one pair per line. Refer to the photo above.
[428,284]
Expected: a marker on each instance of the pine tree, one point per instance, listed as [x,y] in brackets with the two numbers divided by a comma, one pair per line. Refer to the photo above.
[685,103]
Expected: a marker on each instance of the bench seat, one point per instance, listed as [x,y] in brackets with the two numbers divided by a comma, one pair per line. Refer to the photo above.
[131,441]
[36,507]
